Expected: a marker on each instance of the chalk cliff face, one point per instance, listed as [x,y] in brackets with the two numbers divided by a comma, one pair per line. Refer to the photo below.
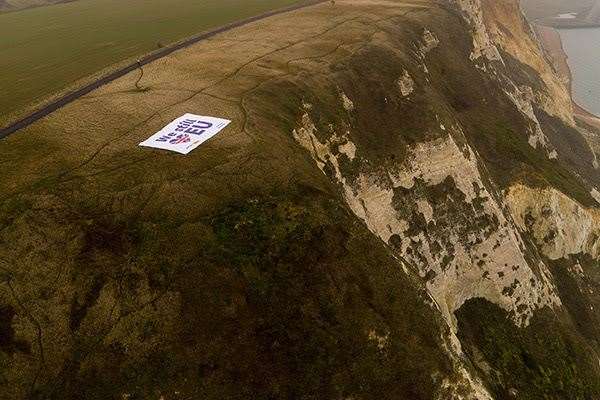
[404,207]
[464,203]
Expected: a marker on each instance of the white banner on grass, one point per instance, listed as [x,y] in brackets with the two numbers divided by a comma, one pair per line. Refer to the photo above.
[186,133]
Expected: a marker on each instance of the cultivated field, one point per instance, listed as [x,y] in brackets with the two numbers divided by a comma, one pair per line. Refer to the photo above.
[45,50]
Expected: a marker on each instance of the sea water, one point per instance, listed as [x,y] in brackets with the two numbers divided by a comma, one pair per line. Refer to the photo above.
[583,49]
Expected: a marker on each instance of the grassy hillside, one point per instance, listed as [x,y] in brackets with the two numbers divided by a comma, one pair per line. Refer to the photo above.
[44,50]
[241,270]
[233,273]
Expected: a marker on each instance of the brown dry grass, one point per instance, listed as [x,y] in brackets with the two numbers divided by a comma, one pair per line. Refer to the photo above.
[236,271]
[210,78]
[74,182]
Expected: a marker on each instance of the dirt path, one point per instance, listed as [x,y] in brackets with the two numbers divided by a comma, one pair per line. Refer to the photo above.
[72,96]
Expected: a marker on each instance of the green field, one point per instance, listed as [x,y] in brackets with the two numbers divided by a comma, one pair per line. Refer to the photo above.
[45,50]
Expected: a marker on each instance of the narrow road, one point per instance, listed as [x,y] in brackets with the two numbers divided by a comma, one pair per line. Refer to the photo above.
[72,96]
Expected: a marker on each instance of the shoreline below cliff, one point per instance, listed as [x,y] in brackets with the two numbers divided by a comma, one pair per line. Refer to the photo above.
[552,45]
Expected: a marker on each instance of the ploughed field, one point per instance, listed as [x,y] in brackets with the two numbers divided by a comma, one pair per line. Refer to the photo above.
[46,50]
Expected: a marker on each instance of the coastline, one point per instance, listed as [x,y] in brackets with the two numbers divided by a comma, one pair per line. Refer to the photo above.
[552,45]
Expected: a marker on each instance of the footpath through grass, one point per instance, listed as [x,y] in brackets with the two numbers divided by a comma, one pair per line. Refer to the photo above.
[45,50]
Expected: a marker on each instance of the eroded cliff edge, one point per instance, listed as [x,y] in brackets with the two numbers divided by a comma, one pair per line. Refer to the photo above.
[402,208]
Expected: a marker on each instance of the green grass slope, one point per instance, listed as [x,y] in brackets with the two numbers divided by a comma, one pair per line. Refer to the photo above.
[45,50]
[238,271]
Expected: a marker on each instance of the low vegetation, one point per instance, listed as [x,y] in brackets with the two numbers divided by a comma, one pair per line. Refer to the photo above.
[528,363]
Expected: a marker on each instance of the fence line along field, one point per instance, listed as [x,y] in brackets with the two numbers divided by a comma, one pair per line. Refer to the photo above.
[45,50]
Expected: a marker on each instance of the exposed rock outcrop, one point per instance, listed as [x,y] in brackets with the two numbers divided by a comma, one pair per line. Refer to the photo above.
[559,225]
[402,208]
